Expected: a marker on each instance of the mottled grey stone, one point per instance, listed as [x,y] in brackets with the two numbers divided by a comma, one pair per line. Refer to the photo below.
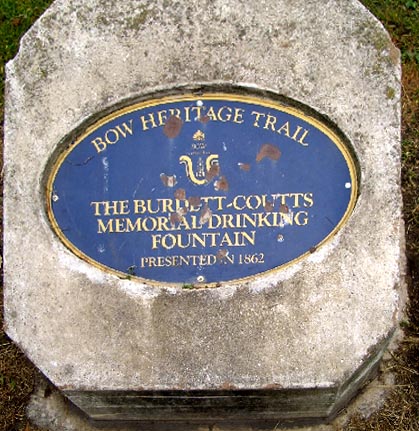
[321,324]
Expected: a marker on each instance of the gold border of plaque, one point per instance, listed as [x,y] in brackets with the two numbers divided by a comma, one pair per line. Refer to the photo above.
[267,103]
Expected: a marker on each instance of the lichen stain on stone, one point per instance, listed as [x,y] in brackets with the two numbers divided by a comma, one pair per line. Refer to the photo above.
[173,127]
[390,93]
[102,21]
[369,34]
[139,19]
[394,54]
[380,41]
[126,20]
[268,151]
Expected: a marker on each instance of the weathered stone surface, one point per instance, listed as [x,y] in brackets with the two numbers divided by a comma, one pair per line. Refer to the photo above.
[306,328]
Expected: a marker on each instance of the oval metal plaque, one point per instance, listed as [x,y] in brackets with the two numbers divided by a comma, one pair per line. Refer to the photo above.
[201,189]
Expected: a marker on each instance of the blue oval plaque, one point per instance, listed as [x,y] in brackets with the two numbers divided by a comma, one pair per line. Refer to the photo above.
[201,189]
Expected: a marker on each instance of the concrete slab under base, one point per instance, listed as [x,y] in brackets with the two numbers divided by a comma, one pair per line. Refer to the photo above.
[50,410]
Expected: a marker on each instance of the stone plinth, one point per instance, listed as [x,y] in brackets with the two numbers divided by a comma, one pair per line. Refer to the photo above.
[294,344]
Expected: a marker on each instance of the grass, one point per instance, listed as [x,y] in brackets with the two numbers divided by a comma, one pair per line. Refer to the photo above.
[16,16]
[401,411]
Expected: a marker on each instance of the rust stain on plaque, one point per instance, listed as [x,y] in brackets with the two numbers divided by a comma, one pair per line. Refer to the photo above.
[213,172]
[168,180]
[221,254]
[283,209]
[205,119]
[268,151]
[194,201]
[269,206]
[206,214]
[173,127]
[244,166]
[221,184]
[175,218]
[180,194]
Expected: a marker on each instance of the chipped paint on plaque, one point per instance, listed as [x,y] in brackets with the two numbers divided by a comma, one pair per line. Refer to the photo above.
[201,190]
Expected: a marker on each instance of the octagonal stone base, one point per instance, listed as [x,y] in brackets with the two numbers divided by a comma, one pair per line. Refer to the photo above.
[295,344]
[265,406]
